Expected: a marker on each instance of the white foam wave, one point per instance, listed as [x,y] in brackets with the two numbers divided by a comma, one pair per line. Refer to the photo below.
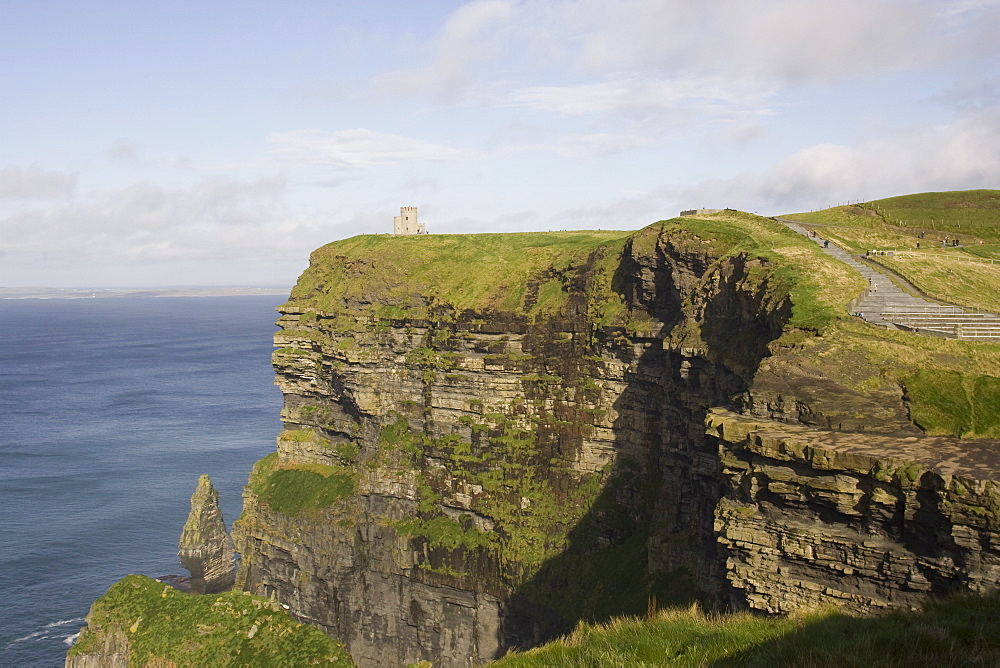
[75,620]
[49,631]
[30,636]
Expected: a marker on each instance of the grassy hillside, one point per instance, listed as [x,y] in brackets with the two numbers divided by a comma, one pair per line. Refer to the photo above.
[972,214]
[819,287]
[958,632]
[967,275]
[163,626]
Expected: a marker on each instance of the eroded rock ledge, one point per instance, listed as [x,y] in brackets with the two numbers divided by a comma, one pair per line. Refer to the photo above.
[860,520]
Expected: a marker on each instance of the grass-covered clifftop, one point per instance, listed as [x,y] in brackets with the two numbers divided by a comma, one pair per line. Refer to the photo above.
[405,276]
[148,622]
[533,274]
[952,387]
[948,384]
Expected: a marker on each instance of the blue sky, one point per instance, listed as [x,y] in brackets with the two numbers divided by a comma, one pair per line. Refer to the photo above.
[218,143]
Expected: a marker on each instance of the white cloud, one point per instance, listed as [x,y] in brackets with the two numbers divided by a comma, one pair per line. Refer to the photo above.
[588,145]
[216,218]
[659,63]
[777,41]
[358,148]
[472,37]
[708,95]
[35,183]
[961,156]
[124,150]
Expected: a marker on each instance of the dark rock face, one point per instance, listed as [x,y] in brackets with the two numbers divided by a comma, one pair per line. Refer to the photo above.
[506,470]
[206,550]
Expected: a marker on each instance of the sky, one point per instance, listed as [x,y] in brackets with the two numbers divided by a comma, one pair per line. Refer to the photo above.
[218,143]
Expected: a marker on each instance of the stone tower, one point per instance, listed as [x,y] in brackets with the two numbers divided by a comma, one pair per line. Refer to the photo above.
[406,222]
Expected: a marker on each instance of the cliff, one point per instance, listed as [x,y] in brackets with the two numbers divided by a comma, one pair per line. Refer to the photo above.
[488,438]
[864,521]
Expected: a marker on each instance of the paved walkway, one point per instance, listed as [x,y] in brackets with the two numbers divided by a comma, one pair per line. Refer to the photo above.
[886,304]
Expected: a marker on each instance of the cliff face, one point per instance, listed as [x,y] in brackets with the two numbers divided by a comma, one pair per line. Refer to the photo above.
[490,438]
[864,521]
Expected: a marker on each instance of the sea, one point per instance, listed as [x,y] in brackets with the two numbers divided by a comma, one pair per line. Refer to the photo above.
[110,410]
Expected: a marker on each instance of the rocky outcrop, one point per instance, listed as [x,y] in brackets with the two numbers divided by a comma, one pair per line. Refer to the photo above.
[206,550]
[863,521]
[109,649]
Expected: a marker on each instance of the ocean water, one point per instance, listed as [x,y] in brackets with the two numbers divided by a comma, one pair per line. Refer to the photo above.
[110,409]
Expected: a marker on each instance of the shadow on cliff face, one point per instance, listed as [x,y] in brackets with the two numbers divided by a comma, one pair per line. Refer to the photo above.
[648,539]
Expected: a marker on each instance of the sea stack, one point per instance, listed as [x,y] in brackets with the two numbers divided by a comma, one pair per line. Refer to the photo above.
[206,550]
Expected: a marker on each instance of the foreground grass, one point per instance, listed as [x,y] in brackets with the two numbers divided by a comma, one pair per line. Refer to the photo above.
[957,632]
[163,626]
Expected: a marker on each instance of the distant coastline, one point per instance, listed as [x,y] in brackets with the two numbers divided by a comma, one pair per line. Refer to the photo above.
[105,293]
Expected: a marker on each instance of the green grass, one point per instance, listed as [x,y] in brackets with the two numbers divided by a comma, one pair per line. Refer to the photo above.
[162,625]
[536,274]
[949,402]
[968,213]
[481,272]
[867,358]
[952,279]
[790,266]
[445,532]
[939,402]
[365,282]
[949,384]
[300,488]
[956,632]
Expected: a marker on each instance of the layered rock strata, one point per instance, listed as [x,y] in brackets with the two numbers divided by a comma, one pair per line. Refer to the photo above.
[489,438]
[206,550]
[499,466]
[863,521]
